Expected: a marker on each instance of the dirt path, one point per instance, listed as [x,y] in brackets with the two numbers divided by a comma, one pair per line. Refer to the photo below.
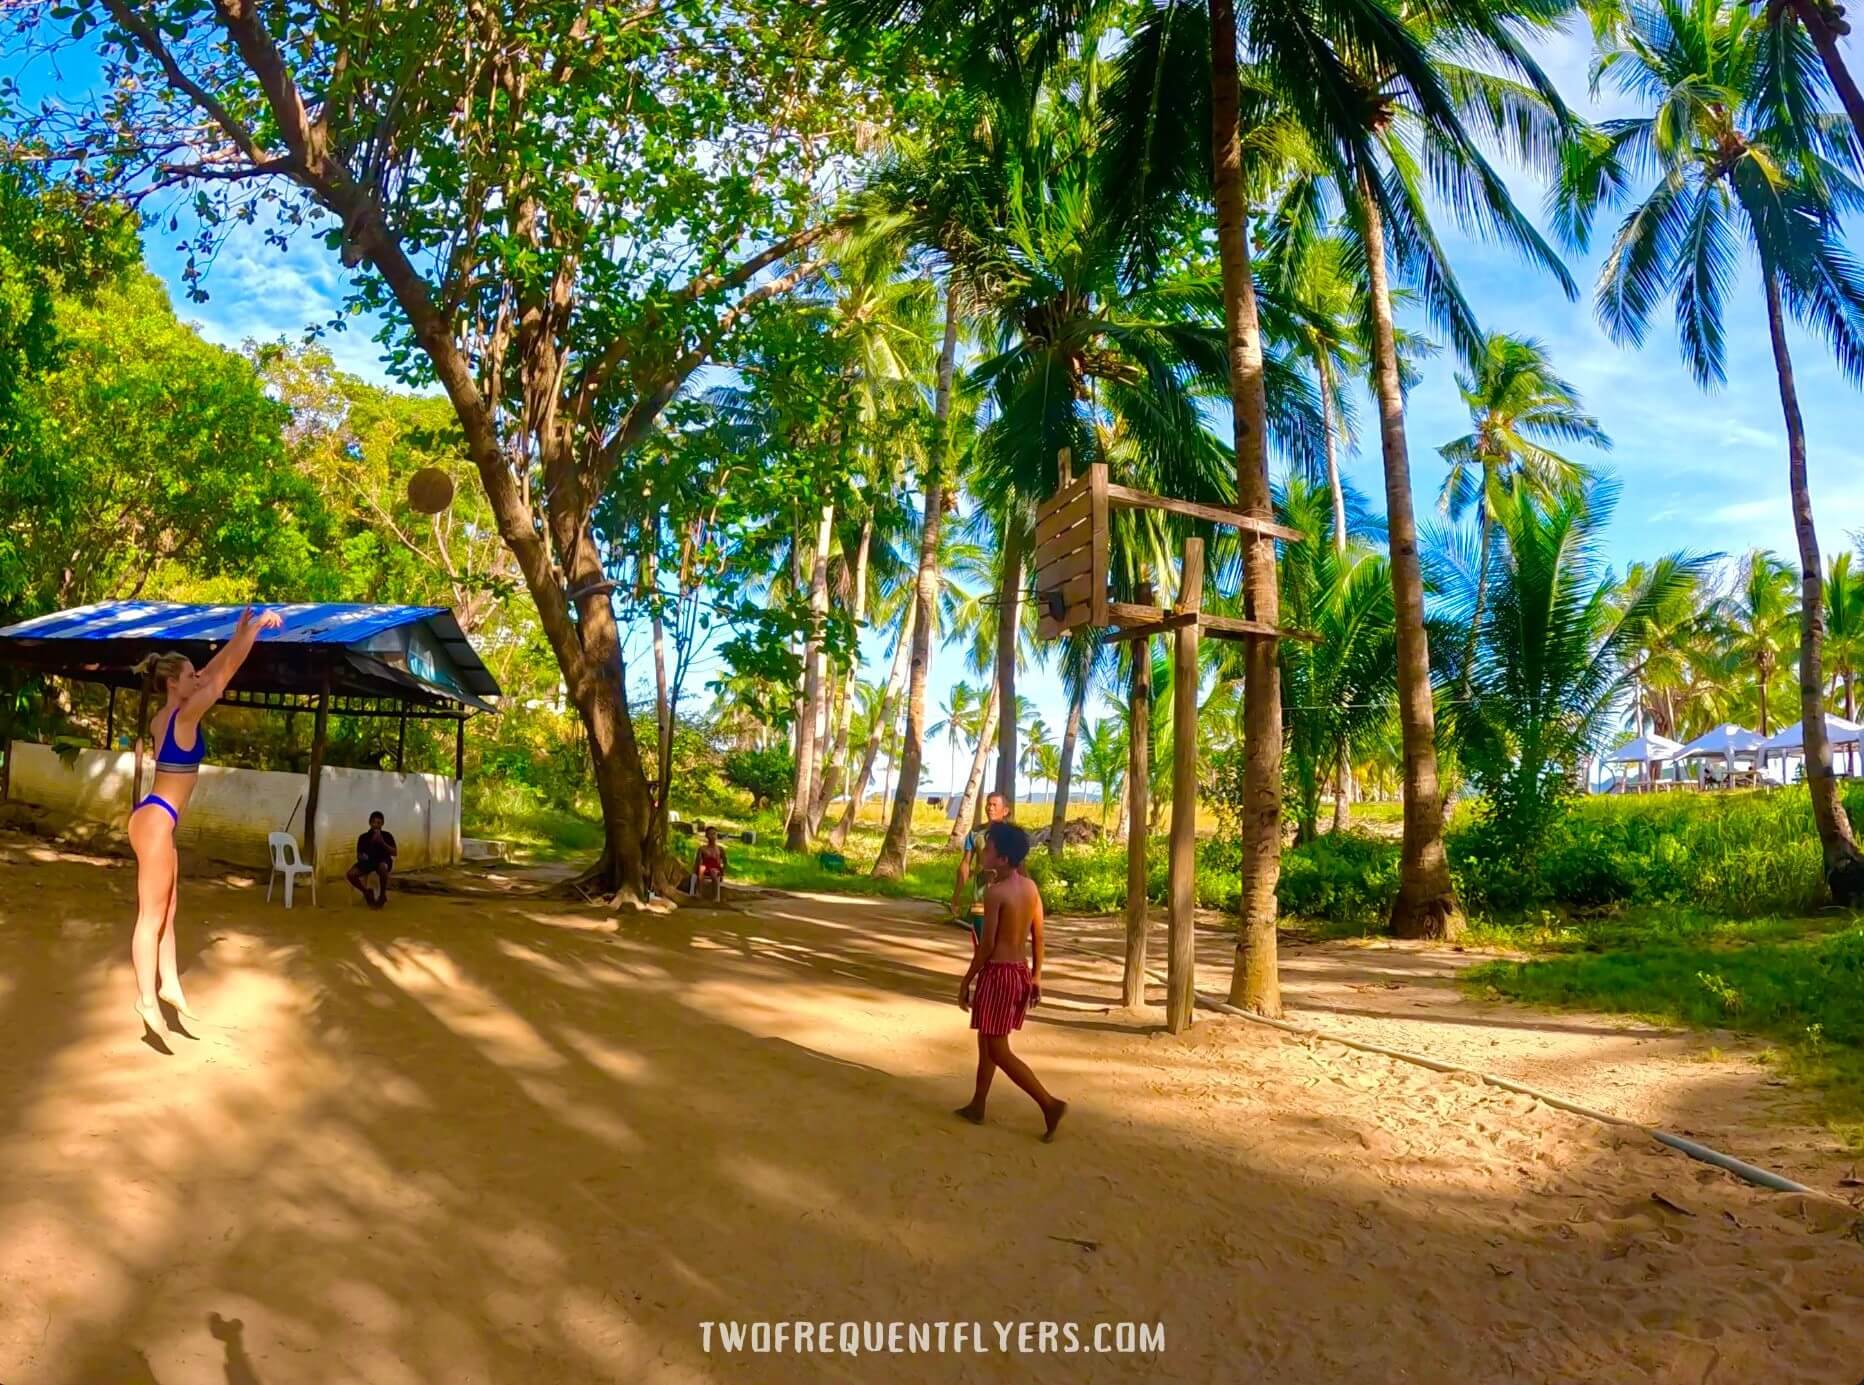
[1712,1087]
[472,1140]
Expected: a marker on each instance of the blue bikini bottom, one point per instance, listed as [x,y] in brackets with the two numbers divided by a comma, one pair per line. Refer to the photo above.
[163,804]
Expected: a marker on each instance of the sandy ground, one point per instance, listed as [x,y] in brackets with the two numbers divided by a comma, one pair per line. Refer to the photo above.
[1713,1087]
[471,1140]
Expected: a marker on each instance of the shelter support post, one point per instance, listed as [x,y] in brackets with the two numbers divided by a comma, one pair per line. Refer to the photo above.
[319,731]
[110,722]
[1138,813]
[401,739]
[459,750]
[1180,998]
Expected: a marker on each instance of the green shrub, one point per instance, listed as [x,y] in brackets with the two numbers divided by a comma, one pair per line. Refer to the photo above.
[1342,877]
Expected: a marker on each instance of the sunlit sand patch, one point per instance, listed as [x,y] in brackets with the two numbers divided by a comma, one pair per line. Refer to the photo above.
[607,1056]
[429,975]
[614,1345]
[573,977]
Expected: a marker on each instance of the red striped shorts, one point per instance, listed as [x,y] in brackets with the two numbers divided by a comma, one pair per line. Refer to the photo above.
[1000,998]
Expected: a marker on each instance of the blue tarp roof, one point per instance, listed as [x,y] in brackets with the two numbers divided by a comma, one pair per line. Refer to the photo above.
[413,652]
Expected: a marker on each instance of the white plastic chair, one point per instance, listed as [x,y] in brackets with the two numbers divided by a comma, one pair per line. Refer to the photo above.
[285,860]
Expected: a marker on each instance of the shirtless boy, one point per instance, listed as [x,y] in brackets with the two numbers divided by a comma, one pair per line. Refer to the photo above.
[1001,985]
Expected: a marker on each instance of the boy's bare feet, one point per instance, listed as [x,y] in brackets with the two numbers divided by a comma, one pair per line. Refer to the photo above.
[973,1114]
[1052,1117]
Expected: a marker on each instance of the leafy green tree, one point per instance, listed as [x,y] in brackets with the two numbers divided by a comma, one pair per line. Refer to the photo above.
[516,193]
[1734,148]
[155,459]
[1103,760]
[1558,647]
[1844,626]
[1761,616]
[1337,690]
[1518,407]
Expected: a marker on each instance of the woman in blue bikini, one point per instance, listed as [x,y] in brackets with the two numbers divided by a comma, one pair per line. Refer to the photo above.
[188,695]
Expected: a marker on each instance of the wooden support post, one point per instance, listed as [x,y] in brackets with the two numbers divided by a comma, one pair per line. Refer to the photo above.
[401,740]
[6,765]
[1180,998]
[110,723]
[319,729]
[459,749]
[1138,811]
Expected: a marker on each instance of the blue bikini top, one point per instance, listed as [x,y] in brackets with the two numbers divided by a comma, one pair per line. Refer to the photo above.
[173,758]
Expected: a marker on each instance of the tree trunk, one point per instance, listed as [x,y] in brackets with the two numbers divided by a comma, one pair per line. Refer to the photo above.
[1484,532]
[663,702]
[1009,637]
[891,863]
[844,702]
[1760,674]
[974,782]
[1058,820]
[1254,983]
[1342,793]
[896,679]
[1324,370]
[1138,808]
[1426,906]
[1844,866]
[1811,14]
[1181,959]
[810,714]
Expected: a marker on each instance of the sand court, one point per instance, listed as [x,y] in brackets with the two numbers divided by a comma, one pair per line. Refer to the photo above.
[477,1140]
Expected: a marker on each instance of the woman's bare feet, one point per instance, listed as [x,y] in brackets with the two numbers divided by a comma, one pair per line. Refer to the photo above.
[173,995]
[973,1113]
[150,1014]
[1052,1118]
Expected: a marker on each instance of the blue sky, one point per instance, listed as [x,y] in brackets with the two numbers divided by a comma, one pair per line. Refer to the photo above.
[1700,472]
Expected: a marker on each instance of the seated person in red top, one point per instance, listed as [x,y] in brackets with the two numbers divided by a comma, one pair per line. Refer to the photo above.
[375,856]
[709,864]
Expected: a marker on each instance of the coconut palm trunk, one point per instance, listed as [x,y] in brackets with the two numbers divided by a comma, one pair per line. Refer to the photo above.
[809,714]
[1009,632]
[1844,867]
[896,680]
[1058,820]
[1812,14]
[974,781]
[1323,371]
[1426,905]
[891,863]
[1254,984]
[836,761]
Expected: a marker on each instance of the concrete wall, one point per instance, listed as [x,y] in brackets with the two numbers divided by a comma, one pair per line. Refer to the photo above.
[231,810]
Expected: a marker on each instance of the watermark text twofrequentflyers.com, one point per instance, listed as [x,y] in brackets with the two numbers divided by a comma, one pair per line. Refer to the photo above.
[876,1338]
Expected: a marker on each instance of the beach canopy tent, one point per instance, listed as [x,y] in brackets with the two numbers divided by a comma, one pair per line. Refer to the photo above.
[1645,750]
[355,660]
[1791,740]
[1724,743]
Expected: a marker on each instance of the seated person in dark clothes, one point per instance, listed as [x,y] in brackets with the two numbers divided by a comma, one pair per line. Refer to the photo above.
[375,855]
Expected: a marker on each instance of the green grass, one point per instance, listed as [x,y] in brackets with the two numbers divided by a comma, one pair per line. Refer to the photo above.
[1795,982]
[534,830]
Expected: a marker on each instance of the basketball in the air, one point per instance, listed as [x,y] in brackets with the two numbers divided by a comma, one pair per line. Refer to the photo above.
[430,490]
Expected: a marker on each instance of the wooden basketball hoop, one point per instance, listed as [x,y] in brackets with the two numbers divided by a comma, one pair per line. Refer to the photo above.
[430,490]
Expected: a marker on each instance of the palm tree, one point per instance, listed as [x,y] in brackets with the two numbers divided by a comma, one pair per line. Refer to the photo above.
[961,703]
[1558,647]
[1517,407]
[1844,626]
[890,864]
[1760,616]
[1337,691]
[1739,149]
[1443,76]
[1035,738]
[1079,653]
[1103,760]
